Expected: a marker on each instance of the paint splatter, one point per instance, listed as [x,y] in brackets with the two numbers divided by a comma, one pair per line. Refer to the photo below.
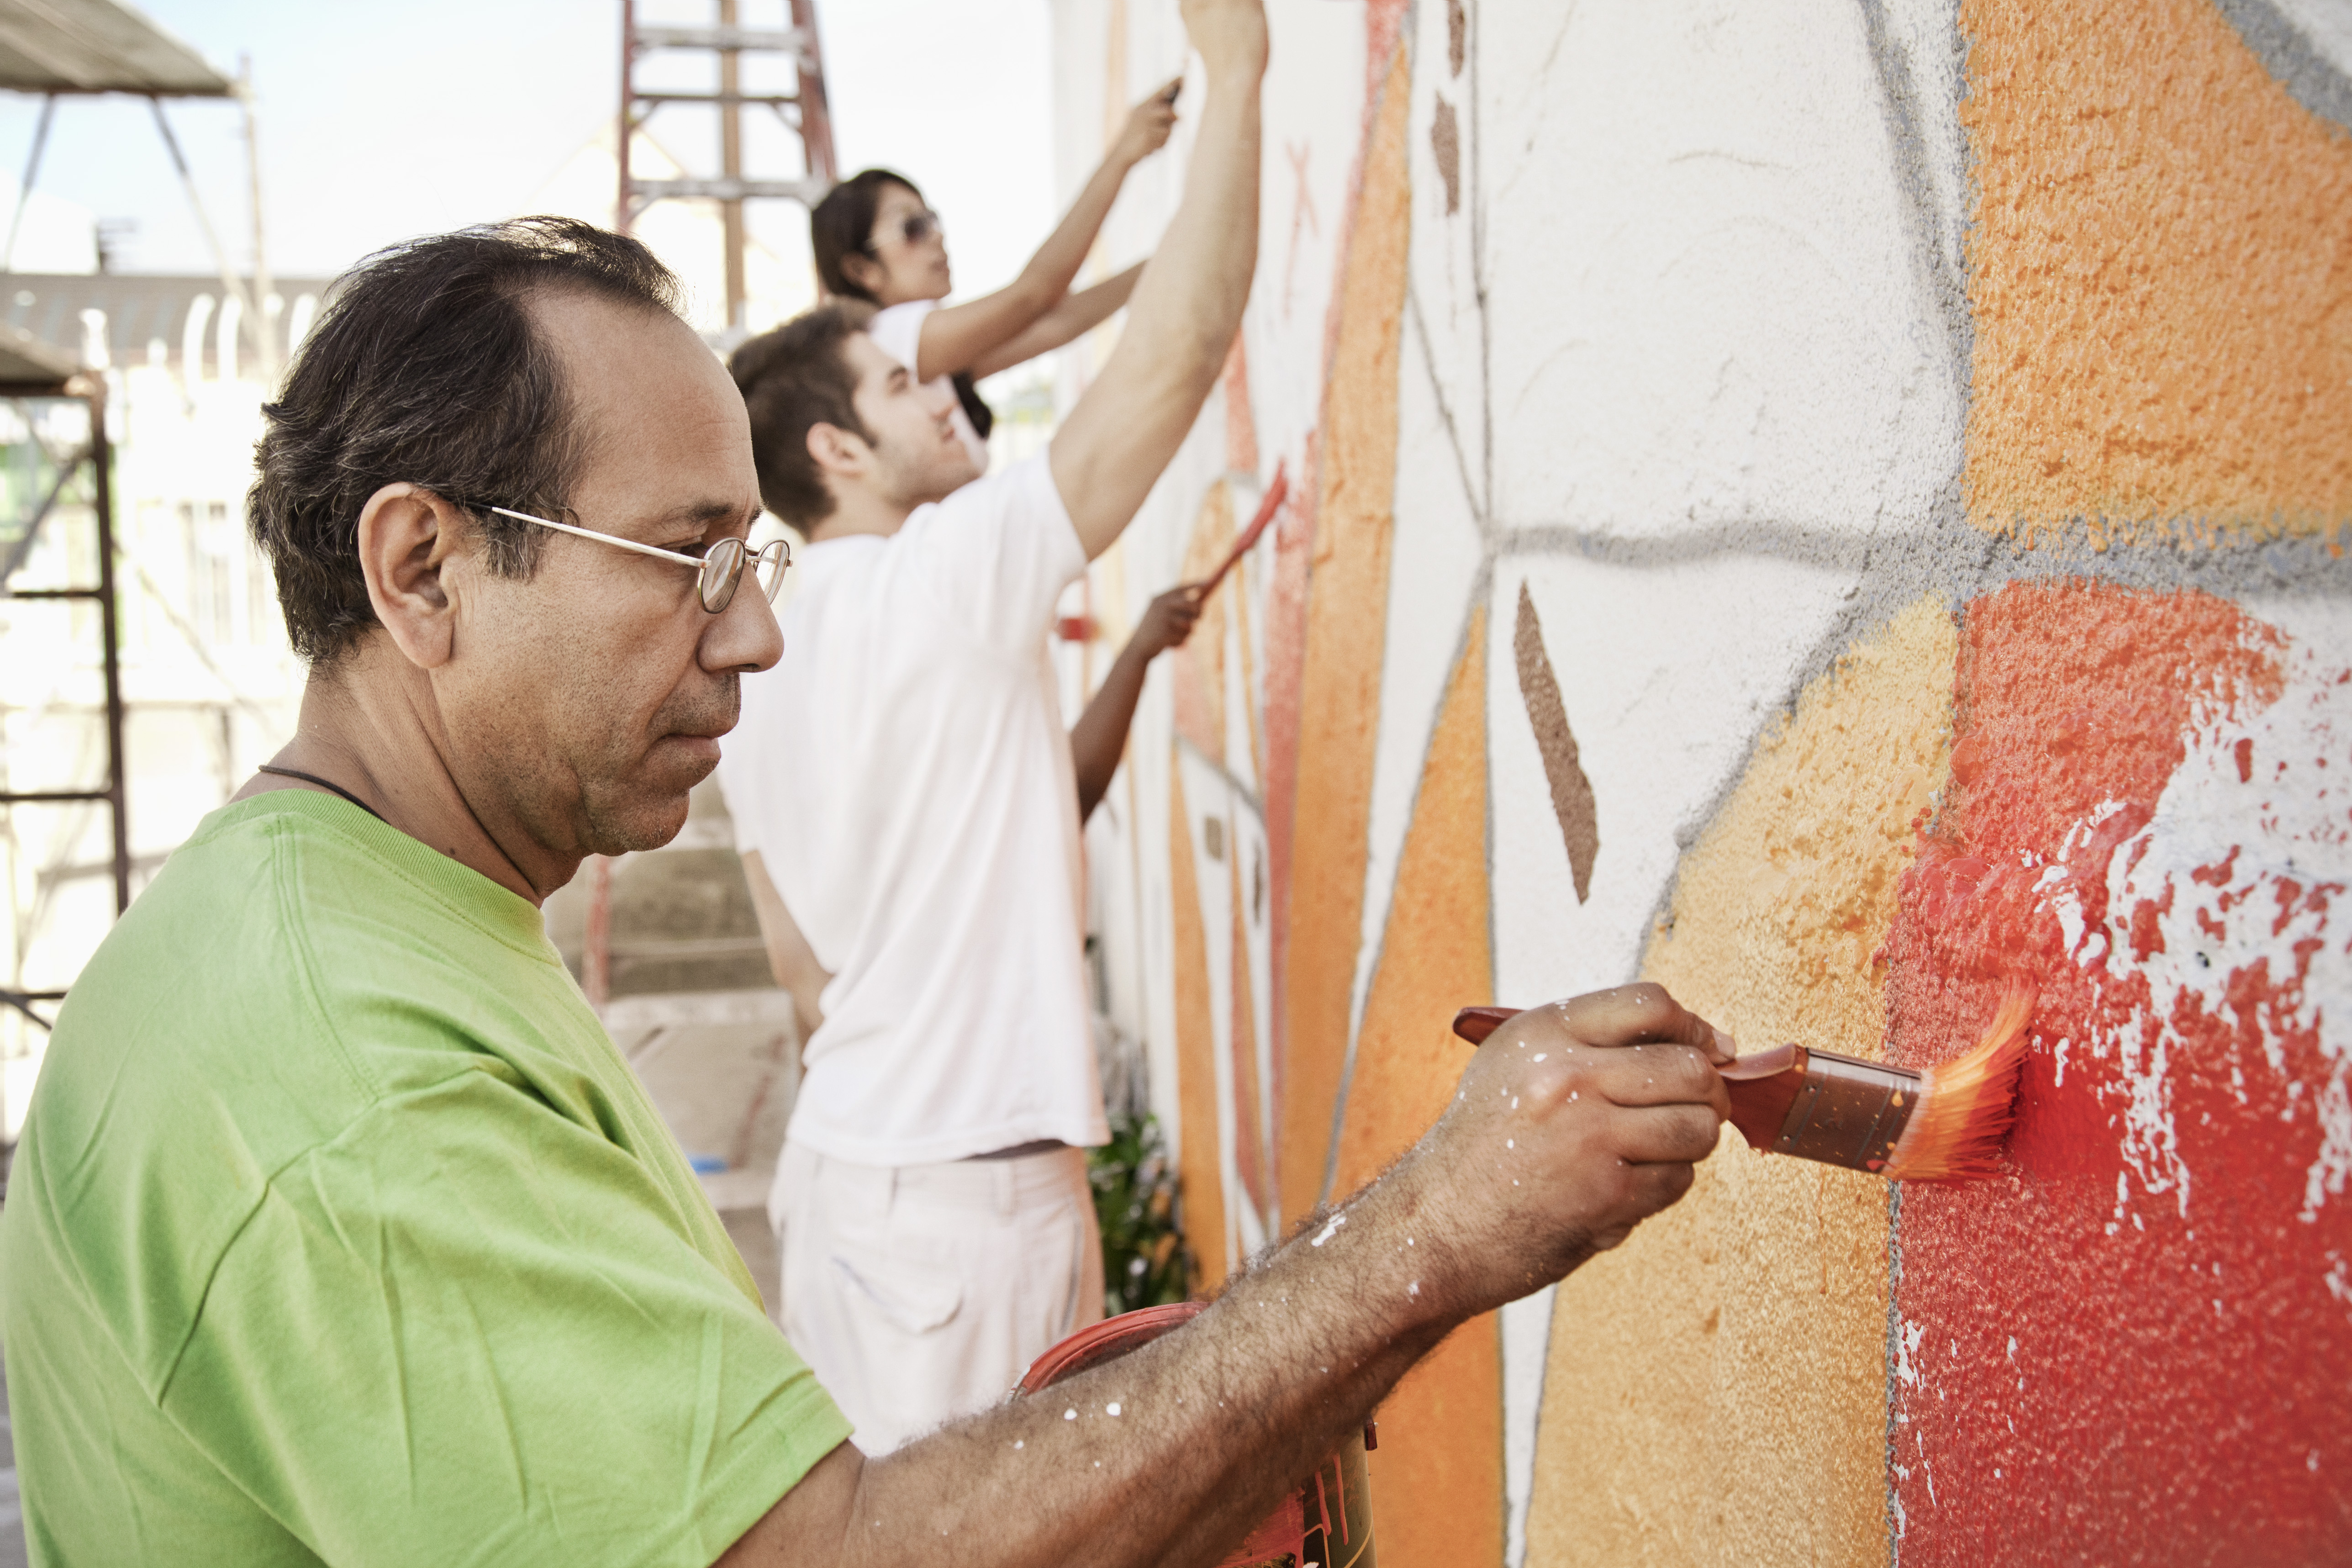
[1571,792]
[2099,1333]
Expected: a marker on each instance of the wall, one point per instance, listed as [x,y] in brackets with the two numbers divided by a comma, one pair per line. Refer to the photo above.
[1839,509]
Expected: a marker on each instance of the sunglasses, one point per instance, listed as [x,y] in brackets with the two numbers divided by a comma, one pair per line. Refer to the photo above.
[719,568]
[917,227]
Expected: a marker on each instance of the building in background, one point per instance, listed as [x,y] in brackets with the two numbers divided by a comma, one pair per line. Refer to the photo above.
[1837,508]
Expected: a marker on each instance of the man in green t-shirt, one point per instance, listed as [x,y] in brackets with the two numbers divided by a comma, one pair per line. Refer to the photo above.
[339,1232]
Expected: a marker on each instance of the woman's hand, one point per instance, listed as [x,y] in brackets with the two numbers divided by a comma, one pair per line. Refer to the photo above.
[1147,127]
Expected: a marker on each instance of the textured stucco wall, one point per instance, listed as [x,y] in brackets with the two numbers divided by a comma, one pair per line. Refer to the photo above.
[1836,507]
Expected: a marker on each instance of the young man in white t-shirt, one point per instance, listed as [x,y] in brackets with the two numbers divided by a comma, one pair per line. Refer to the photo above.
[904,780]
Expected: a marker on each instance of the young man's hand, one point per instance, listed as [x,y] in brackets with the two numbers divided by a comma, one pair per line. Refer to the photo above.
[1168,622]
[1148,124]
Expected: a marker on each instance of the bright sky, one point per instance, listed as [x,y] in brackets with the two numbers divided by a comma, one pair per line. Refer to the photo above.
[381,121]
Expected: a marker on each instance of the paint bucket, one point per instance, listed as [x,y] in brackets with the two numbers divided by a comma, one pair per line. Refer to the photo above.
[1326,1523]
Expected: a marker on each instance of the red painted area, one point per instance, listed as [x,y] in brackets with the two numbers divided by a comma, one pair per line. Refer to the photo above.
[2127,1350]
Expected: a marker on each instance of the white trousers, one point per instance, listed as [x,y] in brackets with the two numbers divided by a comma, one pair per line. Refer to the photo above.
[920,1293]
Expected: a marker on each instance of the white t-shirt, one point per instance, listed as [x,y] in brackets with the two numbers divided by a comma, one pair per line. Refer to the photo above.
[904,776]
[897,331]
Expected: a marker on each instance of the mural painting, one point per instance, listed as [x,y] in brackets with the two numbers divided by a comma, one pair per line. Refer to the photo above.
[1838,509]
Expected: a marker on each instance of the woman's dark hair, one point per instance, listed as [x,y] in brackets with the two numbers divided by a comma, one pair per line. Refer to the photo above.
[794,379]
[427,368]
[843,224]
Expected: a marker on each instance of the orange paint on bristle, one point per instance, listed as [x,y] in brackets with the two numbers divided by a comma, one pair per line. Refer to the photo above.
[1967,1104]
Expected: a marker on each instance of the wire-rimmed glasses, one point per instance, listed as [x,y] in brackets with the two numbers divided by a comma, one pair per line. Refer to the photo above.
[719,568]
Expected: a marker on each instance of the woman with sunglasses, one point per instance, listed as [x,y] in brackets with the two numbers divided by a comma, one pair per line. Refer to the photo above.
[876,241]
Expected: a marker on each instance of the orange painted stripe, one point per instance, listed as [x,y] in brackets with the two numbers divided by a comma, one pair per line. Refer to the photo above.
[1197,1166]
[2160,276]
[1201,662]
[1347,623]
[1437,1476]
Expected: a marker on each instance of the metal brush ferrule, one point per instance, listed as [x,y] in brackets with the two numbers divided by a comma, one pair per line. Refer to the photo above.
[1848,1112]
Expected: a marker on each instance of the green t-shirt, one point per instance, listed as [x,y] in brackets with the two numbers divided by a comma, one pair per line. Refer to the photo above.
[341,1232]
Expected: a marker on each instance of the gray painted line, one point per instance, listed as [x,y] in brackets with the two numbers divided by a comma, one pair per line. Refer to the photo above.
[1937,263]
[2317,82]
[1444,409]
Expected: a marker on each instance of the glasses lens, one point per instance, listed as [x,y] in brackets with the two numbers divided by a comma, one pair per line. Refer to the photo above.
[722,568]
[768,567]
[920,226]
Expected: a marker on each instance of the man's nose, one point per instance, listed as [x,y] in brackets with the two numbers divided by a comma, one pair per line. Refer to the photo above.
[743,636]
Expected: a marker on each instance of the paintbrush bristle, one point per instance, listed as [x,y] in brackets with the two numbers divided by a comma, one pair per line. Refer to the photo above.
[1967,1105]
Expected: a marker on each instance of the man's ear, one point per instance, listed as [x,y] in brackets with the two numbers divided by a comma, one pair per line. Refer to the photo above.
[838,452]
[406,537]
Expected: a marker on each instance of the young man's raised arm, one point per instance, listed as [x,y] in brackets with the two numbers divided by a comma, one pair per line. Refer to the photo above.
[1182,320]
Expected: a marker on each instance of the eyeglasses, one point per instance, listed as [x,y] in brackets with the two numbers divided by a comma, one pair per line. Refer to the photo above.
[720,567]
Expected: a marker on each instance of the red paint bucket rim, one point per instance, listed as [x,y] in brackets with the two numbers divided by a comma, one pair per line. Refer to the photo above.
[1105,1341]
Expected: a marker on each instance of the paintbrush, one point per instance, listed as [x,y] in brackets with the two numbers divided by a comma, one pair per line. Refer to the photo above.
[1944,1123]
[1275,493]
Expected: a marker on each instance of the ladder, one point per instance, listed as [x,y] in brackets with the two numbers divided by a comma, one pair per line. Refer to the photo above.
[803,112]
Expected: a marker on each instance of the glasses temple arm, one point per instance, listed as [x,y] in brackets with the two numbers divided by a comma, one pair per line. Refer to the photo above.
[653,550]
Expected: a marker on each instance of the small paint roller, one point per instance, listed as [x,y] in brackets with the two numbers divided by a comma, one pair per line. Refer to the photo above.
[1275,493]
[1944,1123]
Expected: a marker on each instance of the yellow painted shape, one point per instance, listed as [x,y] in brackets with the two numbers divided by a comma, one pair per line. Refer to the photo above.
[1347,627]
[1716,1389]
[1437,1476]
[1198,1166]
[2160,277]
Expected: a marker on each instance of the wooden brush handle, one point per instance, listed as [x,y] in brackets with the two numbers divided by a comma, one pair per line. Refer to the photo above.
[1763,1084]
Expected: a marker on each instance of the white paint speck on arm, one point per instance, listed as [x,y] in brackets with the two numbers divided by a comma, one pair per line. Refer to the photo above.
[1329,1230]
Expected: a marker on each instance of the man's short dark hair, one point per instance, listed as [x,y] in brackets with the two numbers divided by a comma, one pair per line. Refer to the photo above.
[792,380]
[427,368]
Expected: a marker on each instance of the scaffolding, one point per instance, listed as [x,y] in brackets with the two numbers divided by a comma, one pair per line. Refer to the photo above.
[803,112]
[55,49]
[31,374]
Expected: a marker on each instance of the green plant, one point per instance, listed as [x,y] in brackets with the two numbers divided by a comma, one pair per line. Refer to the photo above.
[1145,1263]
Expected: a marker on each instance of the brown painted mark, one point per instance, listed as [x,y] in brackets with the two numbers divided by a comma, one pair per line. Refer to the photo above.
[1445,141]
[1437,1476]
[1346,628]
[1571,792]
[1457,28]
[1724,1368]
[1197,1163]
[2160,278]
[1201,662]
